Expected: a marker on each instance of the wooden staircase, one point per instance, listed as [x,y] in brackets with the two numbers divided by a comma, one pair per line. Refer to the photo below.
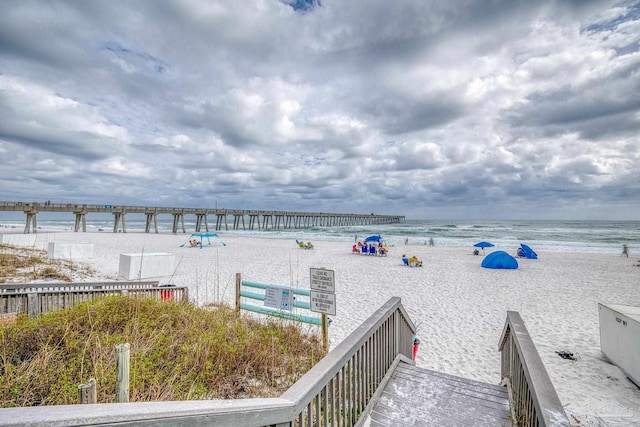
[421,397]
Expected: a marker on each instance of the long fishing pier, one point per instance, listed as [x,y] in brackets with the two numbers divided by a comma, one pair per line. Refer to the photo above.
[242,219]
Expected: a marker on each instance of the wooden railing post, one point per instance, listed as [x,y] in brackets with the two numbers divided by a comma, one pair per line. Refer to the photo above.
[238,284]
[122,373]
[33,304]
[87,392]
[325,333]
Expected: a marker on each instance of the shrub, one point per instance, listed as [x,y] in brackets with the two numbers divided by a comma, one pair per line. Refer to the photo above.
[177,352]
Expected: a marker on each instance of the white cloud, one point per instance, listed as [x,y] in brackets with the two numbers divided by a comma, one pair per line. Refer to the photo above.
[251,101]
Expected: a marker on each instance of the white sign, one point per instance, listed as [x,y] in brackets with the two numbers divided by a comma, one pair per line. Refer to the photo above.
[279,298]
[322,302]
[323,280]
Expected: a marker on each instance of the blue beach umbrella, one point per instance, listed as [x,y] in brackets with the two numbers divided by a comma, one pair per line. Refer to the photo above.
[483,245]
[373,239]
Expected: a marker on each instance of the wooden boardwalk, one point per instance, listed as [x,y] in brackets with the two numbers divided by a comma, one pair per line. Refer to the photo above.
[421,397]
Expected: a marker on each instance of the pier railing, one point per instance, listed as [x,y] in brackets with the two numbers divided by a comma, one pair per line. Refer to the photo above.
[334,392]
[39,298]
[534,401]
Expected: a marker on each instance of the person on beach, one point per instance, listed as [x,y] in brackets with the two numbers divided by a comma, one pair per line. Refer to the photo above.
[625,251]
[415,262]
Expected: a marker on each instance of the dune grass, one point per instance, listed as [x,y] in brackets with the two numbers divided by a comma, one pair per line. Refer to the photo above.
[178,352]
[27,264]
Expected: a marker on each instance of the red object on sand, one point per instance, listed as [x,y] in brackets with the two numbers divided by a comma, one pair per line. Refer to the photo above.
[416,344]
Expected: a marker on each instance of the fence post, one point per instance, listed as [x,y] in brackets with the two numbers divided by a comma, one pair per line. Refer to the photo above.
[122,373]
[238,283]
[88,392]
[325,333]
[32,304]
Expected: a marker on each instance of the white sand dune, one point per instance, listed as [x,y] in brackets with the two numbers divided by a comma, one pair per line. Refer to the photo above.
[461,306]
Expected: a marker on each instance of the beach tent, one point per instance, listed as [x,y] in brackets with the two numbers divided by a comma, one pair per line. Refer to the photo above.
[377,238]
[200,238]
[499,259]
[528,252]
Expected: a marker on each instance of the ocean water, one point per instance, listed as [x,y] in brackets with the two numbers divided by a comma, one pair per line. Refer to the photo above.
[605,237]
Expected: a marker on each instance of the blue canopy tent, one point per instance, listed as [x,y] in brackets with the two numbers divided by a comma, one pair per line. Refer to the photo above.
[499,259]
[526,252]
[199,239]
[376,239]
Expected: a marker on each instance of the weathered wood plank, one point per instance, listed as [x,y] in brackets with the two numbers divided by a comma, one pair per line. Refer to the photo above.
[420,397]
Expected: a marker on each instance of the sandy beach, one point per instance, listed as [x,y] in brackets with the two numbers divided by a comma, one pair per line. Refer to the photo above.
[460,307]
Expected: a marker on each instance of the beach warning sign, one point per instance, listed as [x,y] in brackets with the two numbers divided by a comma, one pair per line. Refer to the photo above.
[278,297]
[323,280]
[322,302]
[323,288]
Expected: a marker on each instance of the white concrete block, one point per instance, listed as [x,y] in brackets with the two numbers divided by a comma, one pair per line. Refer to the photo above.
[145,265]
[70,251]
[620,337]
[22,240]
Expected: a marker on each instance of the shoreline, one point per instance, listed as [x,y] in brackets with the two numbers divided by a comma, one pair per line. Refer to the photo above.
[267,235]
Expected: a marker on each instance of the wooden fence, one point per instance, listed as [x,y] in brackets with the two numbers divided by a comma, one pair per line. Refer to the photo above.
[39,298]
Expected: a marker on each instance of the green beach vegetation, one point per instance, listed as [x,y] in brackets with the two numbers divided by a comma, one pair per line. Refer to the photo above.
[177,351]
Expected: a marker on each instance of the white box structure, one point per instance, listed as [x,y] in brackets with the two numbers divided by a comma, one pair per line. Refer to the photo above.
[70,251]
[14,239]
[145,265]
[620,337]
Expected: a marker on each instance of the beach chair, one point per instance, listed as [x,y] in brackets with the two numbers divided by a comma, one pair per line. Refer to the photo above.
[372,250]
[405,261]
[364,249]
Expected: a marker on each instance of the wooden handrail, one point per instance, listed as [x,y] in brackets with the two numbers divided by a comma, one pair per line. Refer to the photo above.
[534,401]
[52,286]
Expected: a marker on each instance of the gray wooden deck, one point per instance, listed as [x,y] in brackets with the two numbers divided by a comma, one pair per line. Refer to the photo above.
[420,397]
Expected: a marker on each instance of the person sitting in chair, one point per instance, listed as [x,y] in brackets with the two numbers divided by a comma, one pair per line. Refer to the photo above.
[415,262]
[520,252]
[476,252]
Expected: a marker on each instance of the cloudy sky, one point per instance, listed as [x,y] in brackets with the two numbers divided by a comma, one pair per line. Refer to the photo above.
[496,109]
